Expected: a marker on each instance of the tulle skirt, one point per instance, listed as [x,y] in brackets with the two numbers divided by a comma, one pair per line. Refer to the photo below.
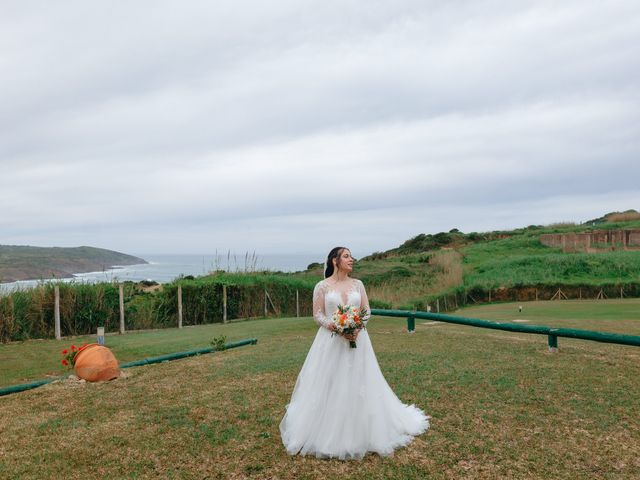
[342,406]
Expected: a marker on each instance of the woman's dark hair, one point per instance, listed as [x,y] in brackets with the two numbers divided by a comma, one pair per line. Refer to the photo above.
[334,253]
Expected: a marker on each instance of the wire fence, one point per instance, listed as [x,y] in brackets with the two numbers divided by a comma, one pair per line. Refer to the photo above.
[465,296]
[55,310]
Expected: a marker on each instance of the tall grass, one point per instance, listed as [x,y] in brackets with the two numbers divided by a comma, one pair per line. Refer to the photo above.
[569,269]
[83,307]
[449,263]
[248,263]
[419,276]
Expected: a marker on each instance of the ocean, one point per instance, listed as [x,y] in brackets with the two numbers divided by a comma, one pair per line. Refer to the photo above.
[166,267]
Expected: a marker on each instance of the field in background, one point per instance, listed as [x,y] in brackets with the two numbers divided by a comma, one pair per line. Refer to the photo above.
[501,405]
[618,316]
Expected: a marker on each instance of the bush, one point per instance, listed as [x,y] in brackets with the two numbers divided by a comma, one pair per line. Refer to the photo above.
[83,307]
[373,303]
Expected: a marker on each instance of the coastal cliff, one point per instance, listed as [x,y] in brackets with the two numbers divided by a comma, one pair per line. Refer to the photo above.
[19,262]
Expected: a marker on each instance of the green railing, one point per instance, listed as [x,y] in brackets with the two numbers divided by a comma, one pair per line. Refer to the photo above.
[145,361]
[552,333]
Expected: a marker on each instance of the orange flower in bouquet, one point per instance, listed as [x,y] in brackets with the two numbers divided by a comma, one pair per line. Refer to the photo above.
[347,320]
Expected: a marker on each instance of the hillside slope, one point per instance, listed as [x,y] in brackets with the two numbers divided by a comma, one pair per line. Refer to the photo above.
[28,263]
[430,265]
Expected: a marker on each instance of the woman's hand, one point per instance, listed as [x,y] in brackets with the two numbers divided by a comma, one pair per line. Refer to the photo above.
[353,336]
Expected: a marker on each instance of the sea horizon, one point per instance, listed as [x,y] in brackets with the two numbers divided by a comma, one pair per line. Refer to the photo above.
[166,267]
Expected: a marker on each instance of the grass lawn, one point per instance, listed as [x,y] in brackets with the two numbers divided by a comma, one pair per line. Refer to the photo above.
[502,406]
[617,316]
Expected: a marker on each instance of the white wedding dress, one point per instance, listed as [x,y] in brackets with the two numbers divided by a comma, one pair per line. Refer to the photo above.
[342,406]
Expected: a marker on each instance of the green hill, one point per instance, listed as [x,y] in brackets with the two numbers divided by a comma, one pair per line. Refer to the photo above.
[430,265]
[32,263]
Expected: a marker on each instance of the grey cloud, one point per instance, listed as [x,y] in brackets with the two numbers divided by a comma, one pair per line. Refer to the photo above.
[159,115]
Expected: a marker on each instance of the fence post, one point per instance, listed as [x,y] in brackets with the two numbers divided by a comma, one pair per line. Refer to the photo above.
[536,294]
[56,311]
[179,306]
[297,303]
[438,304]
[553,344]
[121,292]
[273,307]
[411,324]
[265,302]
[489,295]
[224,304]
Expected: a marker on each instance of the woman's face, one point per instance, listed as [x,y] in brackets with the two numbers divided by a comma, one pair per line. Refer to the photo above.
[345,261]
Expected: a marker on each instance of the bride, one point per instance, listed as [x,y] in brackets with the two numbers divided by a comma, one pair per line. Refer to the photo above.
[341,406]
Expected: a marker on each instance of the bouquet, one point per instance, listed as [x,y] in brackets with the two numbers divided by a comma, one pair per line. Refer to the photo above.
[347,319]
[69,355]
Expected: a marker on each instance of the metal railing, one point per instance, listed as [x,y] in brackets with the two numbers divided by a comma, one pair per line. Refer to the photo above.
[551,332]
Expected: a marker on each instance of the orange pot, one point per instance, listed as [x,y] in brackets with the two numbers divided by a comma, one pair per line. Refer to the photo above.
[96,363]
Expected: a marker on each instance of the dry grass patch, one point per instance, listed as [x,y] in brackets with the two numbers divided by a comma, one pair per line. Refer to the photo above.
[501,408]
[445,271]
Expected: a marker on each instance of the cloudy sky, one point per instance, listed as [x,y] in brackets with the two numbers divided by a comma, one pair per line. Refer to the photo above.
[293,126]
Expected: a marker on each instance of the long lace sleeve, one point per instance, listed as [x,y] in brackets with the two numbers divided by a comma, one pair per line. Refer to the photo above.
[319,314]
[364,302]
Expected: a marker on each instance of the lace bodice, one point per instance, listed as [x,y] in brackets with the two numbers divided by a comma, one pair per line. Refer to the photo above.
[327,296]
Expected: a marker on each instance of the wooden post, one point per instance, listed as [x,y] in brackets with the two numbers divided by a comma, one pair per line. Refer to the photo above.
[179,306]
[273,307]
[121,291]
[56,311]
[297,303]
[536,294]
[580,293]
[265,302]
[559,295]
[224,304]
[489,295]
[438,305]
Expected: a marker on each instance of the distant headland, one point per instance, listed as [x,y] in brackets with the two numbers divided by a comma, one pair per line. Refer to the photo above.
[18,262]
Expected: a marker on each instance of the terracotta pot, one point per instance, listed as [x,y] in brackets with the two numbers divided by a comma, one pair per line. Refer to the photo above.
[96,363]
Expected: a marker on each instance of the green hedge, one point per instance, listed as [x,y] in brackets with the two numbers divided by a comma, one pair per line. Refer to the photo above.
[83,307]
